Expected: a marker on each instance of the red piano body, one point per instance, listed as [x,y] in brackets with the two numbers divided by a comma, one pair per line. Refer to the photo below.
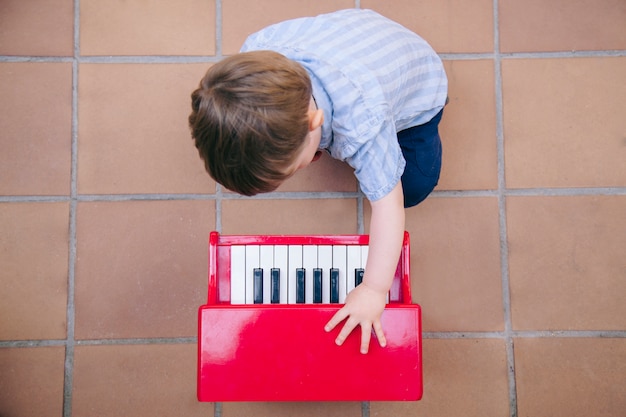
[280,352]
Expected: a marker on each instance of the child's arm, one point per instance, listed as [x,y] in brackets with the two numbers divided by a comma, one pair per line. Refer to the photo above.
[365,304]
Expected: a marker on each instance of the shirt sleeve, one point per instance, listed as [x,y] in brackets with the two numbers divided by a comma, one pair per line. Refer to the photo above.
[377,160]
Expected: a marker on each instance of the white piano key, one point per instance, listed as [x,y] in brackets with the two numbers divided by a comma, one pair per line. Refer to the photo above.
[281,261]
[252,261]
[340,262]
[237,274]
[294,261]
[266,262]
[353,262]
[309,261]
[364,252]
[325,262]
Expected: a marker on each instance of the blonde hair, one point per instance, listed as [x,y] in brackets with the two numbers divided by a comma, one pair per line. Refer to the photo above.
[250,119]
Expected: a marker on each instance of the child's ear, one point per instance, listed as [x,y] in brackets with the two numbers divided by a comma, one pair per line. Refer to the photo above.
[316,118]
[317,156]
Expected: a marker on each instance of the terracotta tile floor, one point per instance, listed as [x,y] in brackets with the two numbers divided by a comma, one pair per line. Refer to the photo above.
[517,257]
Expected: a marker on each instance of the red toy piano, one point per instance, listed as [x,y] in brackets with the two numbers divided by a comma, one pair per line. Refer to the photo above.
[261,334]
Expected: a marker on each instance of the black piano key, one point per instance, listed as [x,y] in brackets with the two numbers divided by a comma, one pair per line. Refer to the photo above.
[300,273]
[275,285]
[258,285]
[334,285]
[358,276]
[317,285]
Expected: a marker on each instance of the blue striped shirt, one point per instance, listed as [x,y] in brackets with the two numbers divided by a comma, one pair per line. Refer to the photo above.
[372,78]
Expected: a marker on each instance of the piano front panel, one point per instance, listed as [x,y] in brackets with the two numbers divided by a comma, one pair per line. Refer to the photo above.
[282,353]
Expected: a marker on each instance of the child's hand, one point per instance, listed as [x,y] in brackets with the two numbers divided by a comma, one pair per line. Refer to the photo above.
[363,307]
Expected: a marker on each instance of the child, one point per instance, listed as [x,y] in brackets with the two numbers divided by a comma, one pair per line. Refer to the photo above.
[352,83]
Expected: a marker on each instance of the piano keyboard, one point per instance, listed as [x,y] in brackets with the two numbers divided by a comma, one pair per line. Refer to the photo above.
[295,274]
[261,332]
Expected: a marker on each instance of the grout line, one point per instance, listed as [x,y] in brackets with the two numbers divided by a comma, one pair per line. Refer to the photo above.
[34,199]
[139,341]
[365,409]
[469,56]
[218,29]
[602,334]
[293,195]
[218,207]
[32,343]
[200,59]
[532,334]
[297,195]
[465,56]
[307,195]
[71,314]
[32,58]
[139,197]
[463,335]
[502,220]
[149,59]
[68,379]
[360,226]
[566,54]
[564,192]
[447,335]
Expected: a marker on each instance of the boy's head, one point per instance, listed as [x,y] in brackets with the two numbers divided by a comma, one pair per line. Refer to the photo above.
[250,120]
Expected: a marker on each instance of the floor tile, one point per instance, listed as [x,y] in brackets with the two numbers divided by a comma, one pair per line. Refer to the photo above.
[326,174]
[241,18]
[137,380]
[455,263]
[33,263]
[300,409]
[36,128]
[564,122]
[571,377]
[149,27]
[309,217]
[468,128]
[141,268]
[444,25]
[562,25]
[32,381]
[566,262]
[462,377]
[133,132]
[37,27]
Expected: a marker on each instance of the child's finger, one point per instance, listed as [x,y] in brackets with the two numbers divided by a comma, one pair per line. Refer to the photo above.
[345,331]
[336,319]
[366,333]
[380,335]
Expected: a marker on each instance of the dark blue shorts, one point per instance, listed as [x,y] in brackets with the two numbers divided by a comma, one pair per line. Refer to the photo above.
[421,147]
